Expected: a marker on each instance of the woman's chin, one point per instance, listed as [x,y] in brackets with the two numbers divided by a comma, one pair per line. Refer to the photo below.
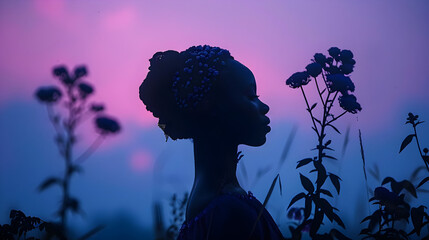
[257,142]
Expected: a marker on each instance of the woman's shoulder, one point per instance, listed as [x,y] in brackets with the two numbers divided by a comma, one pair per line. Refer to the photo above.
[230,215]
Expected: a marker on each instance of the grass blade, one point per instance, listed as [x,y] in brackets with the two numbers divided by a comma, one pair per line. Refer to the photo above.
[267,198]
[287,146]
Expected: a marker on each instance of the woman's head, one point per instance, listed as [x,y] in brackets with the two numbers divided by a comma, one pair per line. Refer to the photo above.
[204,92]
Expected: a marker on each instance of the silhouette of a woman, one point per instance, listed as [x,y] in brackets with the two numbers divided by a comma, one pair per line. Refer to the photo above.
[205,95]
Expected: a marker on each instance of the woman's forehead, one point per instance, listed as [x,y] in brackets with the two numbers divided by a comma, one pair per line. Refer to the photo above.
[239,76]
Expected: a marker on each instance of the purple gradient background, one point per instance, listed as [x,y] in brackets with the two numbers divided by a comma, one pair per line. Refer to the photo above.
[275,39]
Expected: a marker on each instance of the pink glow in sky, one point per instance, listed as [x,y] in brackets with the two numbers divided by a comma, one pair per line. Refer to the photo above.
[274,40]
[141,161]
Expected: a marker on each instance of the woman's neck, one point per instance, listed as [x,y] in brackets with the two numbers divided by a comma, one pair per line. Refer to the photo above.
[215,165]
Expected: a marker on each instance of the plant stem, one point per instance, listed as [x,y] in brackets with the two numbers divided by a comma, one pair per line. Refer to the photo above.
[57,129]
[335,118]
[311,114]
[318,90]
[418,145]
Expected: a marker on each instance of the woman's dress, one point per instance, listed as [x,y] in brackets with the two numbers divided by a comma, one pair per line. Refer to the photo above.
[231,216]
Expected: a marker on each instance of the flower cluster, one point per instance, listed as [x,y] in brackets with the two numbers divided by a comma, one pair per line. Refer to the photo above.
[78,91]
[336,68]
[298,79]
[201,70]
[52,94]
[49,94]
[107,125]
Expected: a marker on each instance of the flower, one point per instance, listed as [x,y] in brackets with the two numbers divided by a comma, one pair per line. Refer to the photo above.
[314,69]
[339,82]
[80,71]
[298,79]
[62,73]
[348,103]
[49,94]
[334,52]
[412,118]
[107,125]
[85,89]
[346,68]
[346,55]
[97,107]
[320,59]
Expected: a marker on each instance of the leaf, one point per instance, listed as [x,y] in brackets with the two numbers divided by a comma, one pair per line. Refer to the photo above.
[417,218]
[407,185]
[315,224]
[406,141]
[326,208]
[280,186]
[327,143]
[326,192]
[318,121]
[375,219]
[321,176]
[327,156]
[423,182]
[338,220]
[313,106]
[306,183]
[333,127]
[307,209]
[49,182]
[335,181]
[304,162]
[296,198]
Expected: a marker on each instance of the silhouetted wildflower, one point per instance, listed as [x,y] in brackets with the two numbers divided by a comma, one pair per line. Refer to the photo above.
[320,59]
[107,125]
[346,68]
[97,107]
[314,69]
[346,55]
[85,89]
[339,83]
[48,94]
[349,103]
[62,73]
[298,79]
[80,72]
[334,52]
[412,118]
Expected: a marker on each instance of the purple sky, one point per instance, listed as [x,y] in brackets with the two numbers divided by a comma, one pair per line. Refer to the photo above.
[116,39]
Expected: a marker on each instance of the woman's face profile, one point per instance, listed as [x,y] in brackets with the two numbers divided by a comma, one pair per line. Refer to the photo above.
[242,113]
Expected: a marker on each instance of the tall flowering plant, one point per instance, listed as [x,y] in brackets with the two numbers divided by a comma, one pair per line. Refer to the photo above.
[331,77]
[73,97]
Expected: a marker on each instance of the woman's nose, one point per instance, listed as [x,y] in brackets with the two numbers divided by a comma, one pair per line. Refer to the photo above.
[264,108]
